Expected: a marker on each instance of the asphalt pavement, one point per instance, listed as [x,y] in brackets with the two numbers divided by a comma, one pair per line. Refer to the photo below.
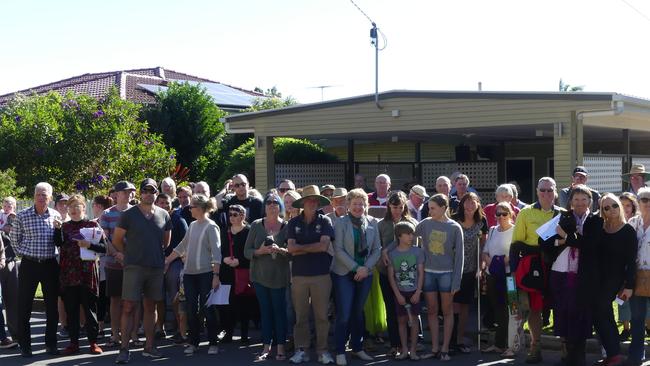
[233,353]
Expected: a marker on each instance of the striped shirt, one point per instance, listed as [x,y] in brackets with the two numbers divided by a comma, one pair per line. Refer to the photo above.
[32,234]
[108,221]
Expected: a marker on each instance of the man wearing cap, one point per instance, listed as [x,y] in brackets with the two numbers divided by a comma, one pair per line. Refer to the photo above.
[61,206]
[309,241]
[114,259]
[339,208]
[32,237]
[636,177]
[417,196]
[327,191]
[142,234]
[580,176]
[380,196]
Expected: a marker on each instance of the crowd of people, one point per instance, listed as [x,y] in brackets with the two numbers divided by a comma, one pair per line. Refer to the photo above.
[368,263]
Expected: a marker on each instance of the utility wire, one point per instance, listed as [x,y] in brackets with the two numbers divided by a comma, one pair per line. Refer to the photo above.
[631,6]
[362,12]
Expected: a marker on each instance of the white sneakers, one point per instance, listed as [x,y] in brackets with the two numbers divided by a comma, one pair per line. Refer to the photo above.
[299,357]
[362,355]
[325,358]
[341,361]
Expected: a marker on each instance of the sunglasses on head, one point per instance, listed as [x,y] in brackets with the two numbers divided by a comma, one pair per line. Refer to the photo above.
[614,205]
[545,190]
[237,185]
[504,214]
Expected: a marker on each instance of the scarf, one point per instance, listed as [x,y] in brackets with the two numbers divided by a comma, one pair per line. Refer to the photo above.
[361,224]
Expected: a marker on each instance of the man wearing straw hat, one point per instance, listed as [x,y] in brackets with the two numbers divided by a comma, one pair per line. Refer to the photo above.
[636,177]
[339,209]
[309,238]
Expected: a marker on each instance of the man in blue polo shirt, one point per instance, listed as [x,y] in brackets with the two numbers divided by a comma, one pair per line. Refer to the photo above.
[309,240]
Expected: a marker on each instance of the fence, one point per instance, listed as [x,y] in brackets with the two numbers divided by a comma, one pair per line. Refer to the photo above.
[604,172]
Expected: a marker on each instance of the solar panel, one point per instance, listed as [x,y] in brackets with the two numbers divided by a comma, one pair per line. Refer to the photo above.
[222,95]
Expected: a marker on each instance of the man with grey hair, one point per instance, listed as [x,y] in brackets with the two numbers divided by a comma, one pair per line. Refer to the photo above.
[201,188]
[443,186]
[32,237]
[515,192]
[380,196]
[503,193]
[526,245]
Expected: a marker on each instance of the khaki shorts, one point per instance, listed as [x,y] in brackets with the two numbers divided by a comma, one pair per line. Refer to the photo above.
[139,281]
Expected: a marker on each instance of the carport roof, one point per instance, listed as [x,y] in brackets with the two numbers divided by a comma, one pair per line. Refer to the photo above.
[484,95]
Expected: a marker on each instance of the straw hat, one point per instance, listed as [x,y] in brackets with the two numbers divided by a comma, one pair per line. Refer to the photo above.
[308,192]
[634,170]
[420,191]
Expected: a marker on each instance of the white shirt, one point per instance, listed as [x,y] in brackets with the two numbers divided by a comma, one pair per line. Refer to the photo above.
[643,237]
[498,242]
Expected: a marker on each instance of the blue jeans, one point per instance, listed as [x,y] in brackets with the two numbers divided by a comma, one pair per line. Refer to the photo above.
[273,313]
[197,288]
[350,296]
[638,306]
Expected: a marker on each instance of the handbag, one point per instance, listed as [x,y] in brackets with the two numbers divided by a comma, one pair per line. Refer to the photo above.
[243,285]
[642,286]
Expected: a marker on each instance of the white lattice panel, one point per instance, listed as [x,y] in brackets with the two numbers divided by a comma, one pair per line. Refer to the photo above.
[400,174]
[604,172]
[482,175]
[641,160]
[306,174]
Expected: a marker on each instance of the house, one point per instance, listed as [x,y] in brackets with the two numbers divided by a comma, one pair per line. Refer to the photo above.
[142,85]
[494,137]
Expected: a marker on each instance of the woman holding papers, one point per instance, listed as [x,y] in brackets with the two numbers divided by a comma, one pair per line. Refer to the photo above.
[618,259]
[78,241]
[266,248]
[201,251]
[575,273]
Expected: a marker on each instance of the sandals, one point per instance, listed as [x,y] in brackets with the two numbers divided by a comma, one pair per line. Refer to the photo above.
[432,354]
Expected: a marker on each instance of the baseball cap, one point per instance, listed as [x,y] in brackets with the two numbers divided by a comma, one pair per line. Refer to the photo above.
[580,170]
[123,186]
[420,191]
[148,182]
[61,197]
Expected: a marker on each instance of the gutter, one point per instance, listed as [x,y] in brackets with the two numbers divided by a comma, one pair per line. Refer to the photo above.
[235,130]
[617,108]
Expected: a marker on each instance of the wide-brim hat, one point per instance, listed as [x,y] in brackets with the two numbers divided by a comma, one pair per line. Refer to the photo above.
[309,192]
[634,170]
[339,192]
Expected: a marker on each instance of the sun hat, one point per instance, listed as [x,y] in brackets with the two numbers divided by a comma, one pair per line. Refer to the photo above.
[339,192]
[634,170]
[309,192]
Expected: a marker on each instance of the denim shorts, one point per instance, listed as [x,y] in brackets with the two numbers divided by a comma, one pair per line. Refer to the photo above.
[437,282]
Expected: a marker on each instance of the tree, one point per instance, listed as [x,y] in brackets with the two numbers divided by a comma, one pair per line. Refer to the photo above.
[570,88]
[77,143]
[8,185]
[188,120]
[285,150]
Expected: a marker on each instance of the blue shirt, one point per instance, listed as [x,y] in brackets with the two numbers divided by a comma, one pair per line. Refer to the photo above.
[310,264]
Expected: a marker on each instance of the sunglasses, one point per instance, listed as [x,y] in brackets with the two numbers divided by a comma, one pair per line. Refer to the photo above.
[272,203]
[644,199]
[234,214]
[545,190]
[237,185]
[504,214]
[148,190]
[614,205]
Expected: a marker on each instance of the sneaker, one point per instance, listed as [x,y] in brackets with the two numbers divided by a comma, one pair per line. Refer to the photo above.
[151,352]
[362,355]
[341,360]
[299,357]
[213,350]
[72,349]
[95,349]
[189,350]
[63,332]
[123,357]
[325,358]
[8,343]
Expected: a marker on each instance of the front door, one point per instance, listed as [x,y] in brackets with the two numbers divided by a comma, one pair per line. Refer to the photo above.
[521,171]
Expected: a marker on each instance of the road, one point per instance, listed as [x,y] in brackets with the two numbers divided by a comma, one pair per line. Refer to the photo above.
[231,354]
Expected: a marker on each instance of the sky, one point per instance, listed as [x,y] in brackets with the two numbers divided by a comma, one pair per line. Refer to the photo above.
[298,45]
